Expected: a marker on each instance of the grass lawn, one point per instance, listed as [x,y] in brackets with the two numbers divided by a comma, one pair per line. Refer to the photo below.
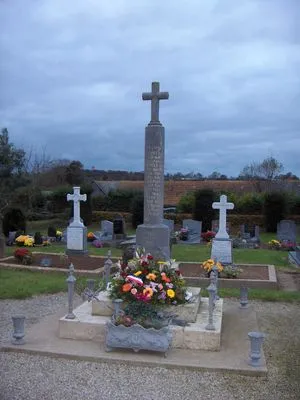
[21,284]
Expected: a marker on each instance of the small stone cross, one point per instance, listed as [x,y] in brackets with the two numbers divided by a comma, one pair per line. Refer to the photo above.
[155,96]
[223,206]
[76,197]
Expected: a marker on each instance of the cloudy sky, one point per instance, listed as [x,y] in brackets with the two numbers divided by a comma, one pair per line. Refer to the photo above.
[73,71]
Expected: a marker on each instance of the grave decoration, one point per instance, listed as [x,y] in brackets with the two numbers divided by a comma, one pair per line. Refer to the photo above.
[24,256]
[209,264]
[144,279]
[145,286]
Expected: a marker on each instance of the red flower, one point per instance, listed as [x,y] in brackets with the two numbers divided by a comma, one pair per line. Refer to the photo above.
[150,257]
[144,263]
[178,272]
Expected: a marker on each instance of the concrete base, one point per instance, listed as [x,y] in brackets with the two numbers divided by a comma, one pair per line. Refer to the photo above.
[194,336]
[42,339]
[188,312]
[155,239]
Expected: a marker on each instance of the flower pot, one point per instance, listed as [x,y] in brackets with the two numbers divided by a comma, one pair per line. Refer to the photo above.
[18,332]
[137,338]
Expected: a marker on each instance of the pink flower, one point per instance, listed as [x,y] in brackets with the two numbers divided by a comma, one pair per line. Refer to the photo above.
[133,291]
[134,279]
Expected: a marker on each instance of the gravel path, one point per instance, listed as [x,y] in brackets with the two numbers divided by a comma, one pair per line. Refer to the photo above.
[26,377]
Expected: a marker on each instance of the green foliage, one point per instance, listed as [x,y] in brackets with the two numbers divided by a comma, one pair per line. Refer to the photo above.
[14,220]
[74,173]
[12,171]
[249,203]
[137,210]
[203,210]
[274,210]
[186,203]
[99,203]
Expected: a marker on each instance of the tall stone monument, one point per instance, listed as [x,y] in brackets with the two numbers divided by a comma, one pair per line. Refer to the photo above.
[221,245]
[153,235]
[76,231]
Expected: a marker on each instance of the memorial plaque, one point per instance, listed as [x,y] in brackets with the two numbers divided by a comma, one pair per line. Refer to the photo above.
[222,251]
[75,239]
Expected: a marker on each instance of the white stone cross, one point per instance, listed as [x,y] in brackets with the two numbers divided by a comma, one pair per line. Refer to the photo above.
[155,96]
[76,197]
[223,206]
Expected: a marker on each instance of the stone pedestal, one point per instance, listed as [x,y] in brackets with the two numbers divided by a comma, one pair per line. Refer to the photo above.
[76,240]
[2,246]
[221,250]
[155,239]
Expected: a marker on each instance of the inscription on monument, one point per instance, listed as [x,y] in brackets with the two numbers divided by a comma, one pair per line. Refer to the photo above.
[222,251]
[75,239]
[154,198]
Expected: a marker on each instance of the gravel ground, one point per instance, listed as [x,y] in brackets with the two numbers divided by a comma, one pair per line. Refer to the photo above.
[34,377]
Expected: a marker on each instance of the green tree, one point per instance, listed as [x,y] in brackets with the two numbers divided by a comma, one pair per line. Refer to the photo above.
[74,173]
[203,210]
[12,171]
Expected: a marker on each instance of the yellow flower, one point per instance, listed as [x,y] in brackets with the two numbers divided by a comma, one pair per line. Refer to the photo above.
[21,238]
[170,293]
[137,273]
[28,241]
[151,276]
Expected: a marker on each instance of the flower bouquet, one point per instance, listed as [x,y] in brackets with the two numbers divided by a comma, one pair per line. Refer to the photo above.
[274,244]
[209,264]
[208,235]
[145,280]
[24,256]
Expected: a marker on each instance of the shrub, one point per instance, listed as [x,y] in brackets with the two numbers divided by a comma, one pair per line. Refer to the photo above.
[203,210]
[14,220]
[249,203]
[274,210]
[137,210]
[186,203]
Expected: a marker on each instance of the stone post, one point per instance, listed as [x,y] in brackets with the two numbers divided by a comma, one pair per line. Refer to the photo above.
[212,293]
[215,272]
[256,340]
[18,332]
[153,235]
[107,268]
[243,297]
[71,283]
[91,283]
[117,306]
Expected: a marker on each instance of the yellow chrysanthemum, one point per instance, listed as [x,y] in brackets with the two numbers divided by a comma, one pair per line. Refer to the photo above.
[137,273]
[28,242]
[170,293]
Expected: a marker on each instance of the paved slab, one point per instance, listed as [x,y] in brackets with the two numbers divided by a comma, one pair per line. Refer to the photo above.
[42,338]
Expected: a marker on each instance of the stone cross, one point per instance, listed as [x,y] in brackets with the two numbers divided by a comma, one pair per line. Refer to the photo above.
[223,206]
[76,197]
[155,96]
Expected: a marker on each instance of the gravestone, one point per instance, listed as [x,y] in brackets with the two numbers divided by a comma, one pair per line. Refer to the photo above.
[286,231]
[119,231]
[215,226]
[194,230]
[294,257]
[249,231]
[221,245]
[153,234]
[169,223]
[107,229]
[76,231]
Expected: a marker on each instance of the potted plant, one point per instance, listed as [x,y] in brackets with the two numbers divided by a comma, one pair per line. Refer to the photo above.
[231,271]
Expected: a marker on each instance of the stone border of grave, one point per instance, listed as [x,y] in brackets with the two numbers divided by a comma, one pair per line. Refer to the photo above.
[94,272]
[271,283]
